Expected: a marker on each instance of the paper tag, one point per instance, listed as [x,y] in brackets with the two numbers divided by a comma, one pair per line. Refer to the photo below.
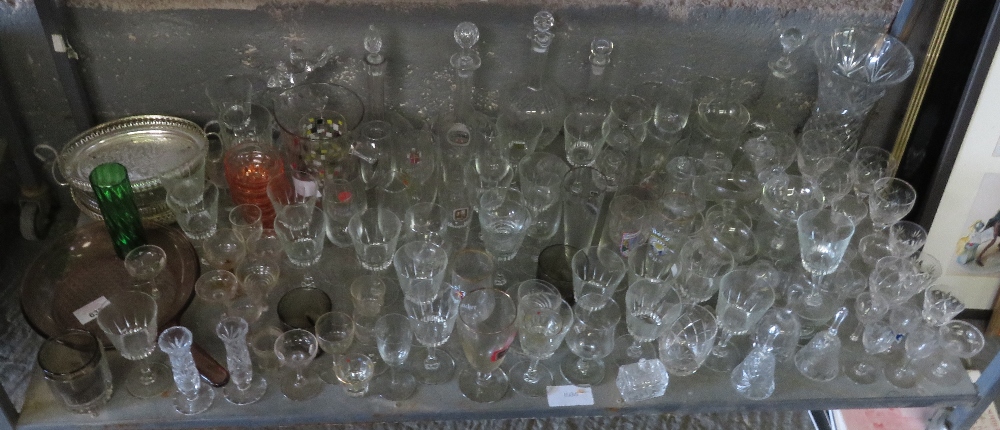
[89,311]
[305,188]
[569,395]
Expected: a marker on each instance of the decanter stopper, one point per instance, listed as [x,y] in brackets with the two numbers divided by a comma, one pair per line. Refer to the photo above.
[791,39]
[600,54]
[192,397]
[540,36]
[373,44]
[467,60]
[246,387]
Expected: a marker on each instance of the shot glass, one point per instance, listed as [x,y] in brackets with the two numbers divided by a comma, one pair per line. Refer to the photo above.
[355,371]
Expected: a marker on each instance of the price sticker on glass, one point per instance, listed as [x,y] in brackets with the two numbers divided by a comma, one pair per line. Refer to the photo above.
[569,395]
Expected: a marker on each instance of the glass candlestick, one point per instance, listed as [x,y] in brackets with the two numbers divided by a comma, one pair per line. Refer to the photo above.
[245,387]
[192,397]
[113,192]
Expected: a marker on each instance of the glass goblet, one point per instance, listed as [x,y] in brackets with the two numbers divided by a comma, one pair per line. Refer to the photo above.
[342,200]
[218,288]
[335,333]
[743,299]
[433,323]
[869,165]
[786,197]
[394,337]
[823,238]
[295,349]
[591,339]
[868,308]
[426,221]
[540,177]
[920,343]
[224,250]
[597,270]
[246,222]
[543,320]
[863,367]
[906,238]
[145,263]
[505,220]
[891,199]
[300,229]
[940,306]
[420,269]
[129,321]
[703,262]
[374,233]
[688,341]
[486,327]
[650,307]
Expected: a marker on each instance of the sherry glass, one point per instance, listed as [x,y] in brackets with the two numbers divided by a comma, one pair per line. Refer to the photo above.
[343,199]
[224,250]
[940,306]
[597,270]
[823,238]
[543,321]
[218,288]
[743,299]
[433,323]
[688,341]
[890,200]
[906,238]
[295,349]
[868,308]
[129,321]
[145,264]
[426,221]
[591,339]
[245,386]
[487,327]
[334,333]
[870,164]
[584,133]
[374,233]
[394,337]
[650,307]
[300,228]
[246,222]
[420,268]
[819,360]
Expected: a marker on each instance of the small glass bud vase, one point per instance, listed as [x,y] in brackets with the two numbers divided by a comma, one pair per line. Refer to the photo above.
[113,193]
[245,387]
[192,397]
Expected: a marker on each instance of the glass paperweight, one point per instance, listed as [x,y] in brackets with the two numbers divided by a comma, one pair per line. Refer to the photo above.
[643,380]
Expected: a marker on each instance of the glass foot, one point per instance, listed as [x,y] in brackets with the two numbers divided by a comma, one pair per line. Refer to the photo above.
[301,389]
[491,388]
[436,373]
[724,358]
[324,368]
[531,387]
[580,371]
[862,370]
[253,393]
[158,382]
[402,388]
[902,377]
[625,353]
[200,403]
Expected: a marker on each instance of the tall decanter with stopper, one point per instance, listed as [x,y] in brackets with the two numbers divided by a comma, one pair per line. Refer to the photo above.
[595,98]
[789,93]
[457,132]
[375,67]
[536,97]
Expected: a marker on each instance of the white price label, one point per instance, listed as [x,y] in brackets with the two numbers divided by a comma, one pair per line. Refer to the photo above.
[88,312]
[305,188]
[569,395]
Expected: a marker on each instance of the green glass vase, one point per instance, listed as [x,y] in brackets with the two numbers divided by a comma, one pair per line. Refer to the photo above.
[114,197]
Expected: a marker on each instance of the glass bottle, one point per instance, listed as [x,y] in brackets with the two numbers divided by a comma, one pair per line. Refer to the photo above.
[192,397]
[595,96]
[754,377]
[113,193]
[788,94]
[819,360]
[375,66]
[245,387]
[537,98]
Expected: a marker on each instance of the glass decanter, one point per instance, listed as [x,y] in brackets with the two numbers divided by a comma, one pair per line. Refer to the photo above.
[754,377]
[537,98]
[245,387]
[788,94]
[819,360]
[594,98]
[375,66]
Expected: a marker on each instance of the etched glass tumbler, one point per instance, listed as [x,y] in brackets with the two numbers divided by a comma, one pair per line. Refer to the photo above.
[504,220]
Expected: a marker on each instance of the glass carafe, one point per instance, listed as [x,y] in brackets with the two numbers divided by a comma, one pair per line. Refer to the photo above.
[789,94]
[536,97]
[375,66]
[595,98]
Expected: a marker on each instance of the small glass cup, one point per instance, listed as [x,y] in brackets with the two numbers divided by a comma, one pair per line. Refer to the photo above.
[374,233]
[224,250]
[504,220]
[585,136]
[368,294]
[355,371]
[76,371]
[246,222]
[195,204]
[472,269]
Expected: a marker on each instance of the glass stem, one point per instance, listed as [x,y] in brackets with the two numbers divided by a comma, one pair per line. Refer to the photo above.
[482,378]
[720,348]
[300,377]
[146,370]
[634,350]
[858,330]
[532,375]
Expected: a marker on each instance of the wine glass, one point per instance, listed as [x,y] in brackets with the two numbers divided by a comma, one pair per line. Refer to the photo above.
[770,151]
[906,238]
[890,200]
[246,222]
[702,263]
[868,308]
[650,307]
[334,333]
[870,164]
[743,299]
[688,341]
[145,264]
[540,175]
[626,125]
[420,268]
[823,238]
[294,187]
[652,263]
[295,349]
[129,321]
[224,250]
[433,322]
[343,199]
[543,320]
[591,339]
[584,133]
[504,219]
[920,342]
[300,229]
[487,325]
[597,270]
[426,221]
[786,197]
[940,306]
[374,233]
[815,145]
[394,337]
[471,269]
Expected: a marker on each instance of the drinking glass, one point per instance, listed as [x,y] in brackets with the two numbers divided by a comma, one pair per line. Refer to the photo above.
[868,308]
[219,288]
[230,96]
[426,221]
[258,275]
[890,200]
[906,238]
[650,307]
[293,188]
[855,207]
[815,145]
[504,220]
[591,339]
[368,294]
[819,360]
[246,222]
[296,348]
[114,196]
[833,175]
[823,238]
[355,371]
[625,127]
[650,263]
[342,200]
[487,325]
[374,233]
[627,225]
[420,268]
[770,151]
[261,343]
[433,323]
[543,320]
[224,250]
[394,337]
[689,340]
[583,191]
[519,135]
[940,306]
[786,197]
[129,321]
[540,176]
[334,333]
[869,165]
[597,270]
[471,269]
[703,262]
[920,343]
[76,371]
[300,228]
[195,204]
[743,300]
[145,264]
[616,166]
[585,136]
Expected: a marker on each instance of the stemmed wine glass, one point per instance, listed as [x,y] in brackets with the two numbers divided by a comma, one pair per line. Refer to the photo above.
[743,300]
[394,337]
[906,238]
[300,227]
[940,306]
[145,264]
[129,321]
[433,322]
[823,238]
[487,326]
[591,338]
[334,333]
[597,270]
[890,200]
[868,308]
[543,321]
[420,268]
[650,307]
[295,349]
[688,341]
